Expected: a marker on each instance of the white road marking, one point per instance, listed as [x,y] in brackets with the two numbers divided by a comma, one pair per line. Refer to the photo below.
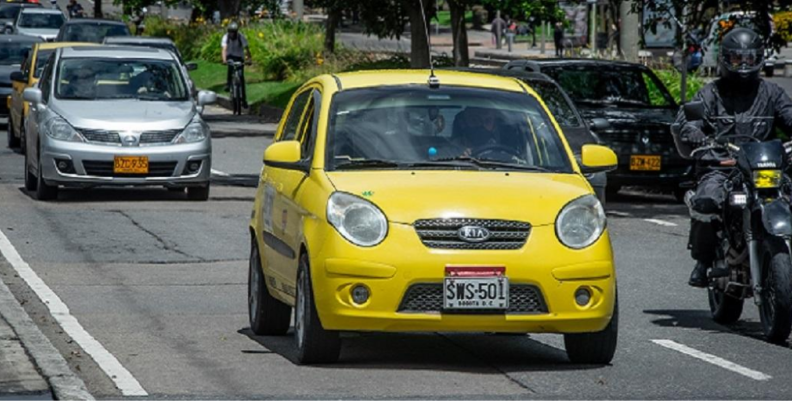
[717,361]
[220,173]
[661,222]
[618,214]
[122,378]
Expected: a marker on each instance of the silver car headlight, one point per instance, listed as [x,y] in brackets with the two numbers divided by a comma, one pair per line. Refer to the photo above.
[356,219]
[581,222]
[60,129]
[196,131]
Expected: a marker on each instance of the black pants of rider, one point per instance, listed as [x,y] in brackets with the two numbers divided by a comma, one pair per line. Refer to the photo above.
[705,207]
[231,76]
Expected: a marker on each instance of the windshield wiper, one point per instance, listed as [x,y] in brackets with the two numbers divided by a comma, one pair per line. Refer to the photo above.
[493,163]
[368,163]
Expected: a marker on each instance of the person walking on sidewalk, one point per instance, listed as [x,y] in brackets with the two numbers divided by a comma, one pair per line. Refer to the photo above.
[235,48]
[498,26]
[558,38]
[75,10]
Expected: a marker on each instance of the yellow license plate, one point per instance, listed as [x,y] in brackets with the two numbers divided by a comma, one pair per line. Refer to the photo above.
[131,165]
[645,163]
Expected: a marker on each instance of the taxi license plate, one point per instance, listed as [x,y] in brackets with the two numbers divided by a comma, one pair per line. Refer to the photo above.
[475,288]
[645,163]
[131,165]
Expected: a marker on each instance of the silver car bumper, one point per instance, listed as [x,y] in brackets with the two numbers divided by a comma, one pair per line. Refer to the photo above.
[92,165]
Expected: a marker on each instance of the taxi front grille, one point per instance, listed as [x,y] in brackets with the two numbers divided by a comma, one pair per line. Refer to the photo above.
[443,233]
[428,298]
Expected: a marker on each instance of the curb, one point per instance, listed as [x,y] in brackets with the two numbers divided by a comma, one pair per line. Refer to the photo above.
[64,383]
[266,113]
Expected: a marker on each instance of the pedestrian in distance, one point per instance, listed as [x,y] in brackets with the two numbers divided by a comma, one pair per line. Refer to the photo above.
[75,10]
[235,48]
[498,26]
[558,38]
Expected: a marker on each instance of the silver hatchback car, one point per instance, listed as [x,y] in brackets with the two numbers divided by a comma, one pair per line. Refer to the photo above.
[116,116]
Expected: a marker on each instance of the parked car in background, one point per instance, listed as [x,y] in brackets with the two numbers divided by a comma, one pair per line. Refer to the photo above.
[13,50]
[576,130]
[41,22]
[26,77]
[10,11]
[639,112]
[157,43]
[91,30]
[116,116]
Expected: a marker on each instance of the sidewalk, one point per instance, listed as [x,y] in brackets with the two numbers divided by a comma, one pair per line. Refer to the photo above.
[18,376]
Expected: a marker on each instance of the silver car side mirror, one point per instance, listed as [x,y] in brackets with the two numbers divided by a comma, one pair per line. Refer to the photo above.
[206,98]
[33,96]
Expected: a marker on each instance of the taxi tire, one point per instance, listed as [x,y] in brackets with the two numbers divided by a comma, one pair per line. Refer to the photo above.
[272,316]
[594,348]
[198,193]
[319,345]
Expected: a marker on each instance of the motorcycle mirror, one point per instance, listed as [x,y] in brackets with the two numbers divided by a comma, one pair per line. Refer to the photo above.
[694,111]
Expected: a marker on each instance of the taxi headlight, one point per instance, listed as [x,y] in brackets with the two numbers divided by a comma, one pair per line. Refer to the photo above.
[767,178]
[581,222]
[357,220]
[197,131]
[60,129]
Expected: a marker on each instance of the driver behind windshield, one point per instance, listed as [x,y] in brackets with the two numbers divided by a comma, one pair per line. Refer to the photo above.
[485,130]
[738,104]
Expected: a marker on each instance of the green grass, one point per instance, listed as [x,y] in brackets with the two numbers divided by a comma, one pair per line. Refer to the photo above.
[444,18]
[212,76]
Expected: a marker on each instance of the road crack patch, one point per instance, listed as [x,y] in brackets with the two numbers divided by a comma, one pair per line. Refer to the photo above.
[166,245]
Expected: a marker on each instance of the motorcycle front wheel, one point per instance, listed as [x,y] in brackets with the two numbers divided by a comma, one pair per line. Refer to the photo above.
[775,310]
[725,309]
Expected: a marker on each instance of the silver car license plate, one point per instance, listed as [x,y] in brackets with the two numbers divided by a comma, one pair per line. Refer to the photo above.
[475,293]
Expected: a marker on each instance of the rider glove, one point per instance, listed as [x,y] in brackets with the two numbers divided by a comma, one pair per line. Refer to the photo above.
[695,136]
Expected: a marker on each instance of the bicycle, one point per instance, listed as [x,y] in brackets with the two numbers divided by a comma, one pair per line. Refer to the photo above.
[236,91]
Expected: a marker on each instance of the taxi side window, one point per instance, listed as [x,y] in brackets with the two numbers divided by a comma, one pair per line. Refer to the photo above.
[26,64]
[46,80]
[308,127]
[290,129]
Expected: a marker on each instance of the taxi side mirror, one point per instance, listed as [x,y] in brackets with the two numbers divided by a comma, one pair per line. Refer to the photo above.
[33,96]
[596,159]
[285,155]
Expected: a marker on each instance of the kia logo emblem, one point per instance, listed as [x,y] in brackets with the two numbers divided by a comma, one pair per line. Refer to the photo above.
[473,234]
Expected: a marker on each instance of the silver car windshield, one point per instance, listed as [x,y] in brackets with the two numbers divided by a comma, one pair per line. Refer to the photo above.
[93,78]
[41,21]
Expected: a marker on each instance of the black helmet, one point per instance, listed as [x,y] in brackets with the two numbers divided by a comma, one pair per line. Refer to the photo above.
[233,27]
[742,54]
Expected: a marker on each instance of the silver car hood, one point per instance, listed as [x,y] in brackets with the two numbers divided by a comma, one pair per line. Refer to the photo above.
[125,115]
[41,33]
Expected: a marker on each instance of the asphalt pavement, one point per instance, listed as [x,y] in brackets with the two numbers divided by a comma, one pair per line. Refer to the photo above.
[149,291]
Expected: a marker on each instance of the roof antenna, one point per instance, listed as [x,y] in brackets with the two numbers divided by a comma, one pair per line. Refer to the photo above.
[434,82]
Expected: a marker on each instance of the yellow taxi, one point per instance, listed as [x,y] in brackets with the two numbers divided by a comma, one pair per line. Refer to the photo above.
[27,77]
[398,201]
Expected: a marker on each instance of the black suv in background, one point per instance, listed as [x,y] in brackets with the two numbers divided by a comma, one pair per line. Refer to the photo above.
[639,112]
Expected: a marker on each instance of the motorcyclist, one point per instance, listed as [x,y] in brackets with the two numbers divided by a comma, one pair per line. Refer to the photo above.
[738,103]
[235,48]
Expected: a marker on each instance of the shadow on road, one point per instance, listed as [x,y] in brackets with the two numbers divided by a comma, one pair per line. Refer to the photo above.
[97,195]
[642,204]
[479,353]
[702,320]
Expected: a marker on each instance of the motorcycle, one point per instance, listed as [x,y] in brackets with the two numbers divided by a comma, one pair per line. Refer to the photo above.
[754,229]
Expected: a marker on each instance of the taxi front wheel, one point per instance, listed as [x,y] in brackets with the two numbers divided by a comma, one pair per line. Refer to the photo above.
[314,343]
[594,348]
[268,316]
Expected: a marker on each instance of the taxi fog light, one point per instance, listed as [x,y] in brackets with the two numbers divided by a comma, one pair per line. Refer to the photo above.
[738,199]
[767,178]
[582,296]
[360,294]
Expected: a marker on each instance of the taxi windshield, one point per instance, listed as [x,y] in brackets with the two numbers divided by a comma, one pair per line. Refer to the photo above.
[448,127]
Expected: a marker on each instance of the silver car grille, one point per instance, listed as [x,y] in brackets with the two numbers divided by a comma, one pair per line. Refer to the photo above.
[146,138]
[428,298]
[442,233]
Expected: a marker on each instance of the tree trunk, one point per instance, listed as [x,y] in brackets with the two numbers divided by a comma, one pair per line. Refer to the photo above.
[419,47]
[333,18]
[459,33]
[229,8]
[98,9]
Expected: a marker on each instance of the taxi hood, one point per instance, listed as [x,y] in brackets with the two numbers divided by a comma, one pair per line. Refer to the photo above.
[406,196]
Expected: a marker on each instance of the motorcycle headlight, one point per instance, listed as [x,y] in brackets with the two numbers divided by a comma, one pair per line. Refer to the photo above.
[60,129]
[581,222]
[197,131]
[356,219]
[764,179]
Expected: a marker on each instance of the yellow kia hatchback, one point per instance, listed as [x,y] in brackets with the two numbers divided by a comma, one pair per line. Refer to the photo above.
[390,202]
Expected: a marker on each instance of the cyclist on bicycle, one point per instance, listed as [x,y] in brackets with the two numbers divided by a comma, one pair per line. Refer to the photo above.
[235,48]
